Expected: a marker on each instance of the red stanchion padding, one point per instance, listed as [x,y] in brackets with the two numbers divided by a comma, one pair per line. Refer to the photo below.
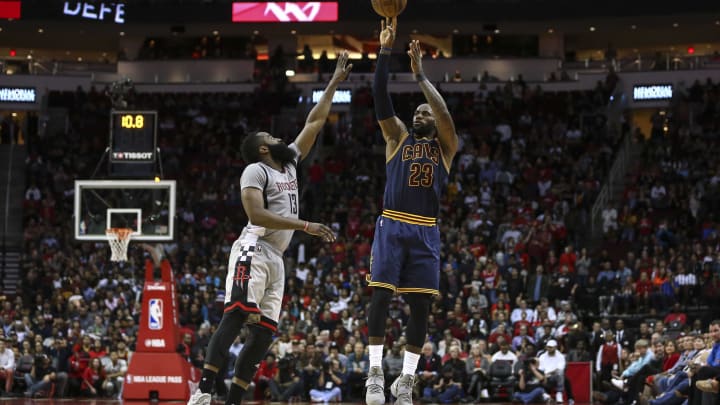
[156,369]
[580,376]
[165,376]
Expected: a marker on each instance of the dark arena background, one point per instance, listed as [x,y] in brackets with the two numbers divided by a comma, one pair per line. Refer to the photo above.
[582,209]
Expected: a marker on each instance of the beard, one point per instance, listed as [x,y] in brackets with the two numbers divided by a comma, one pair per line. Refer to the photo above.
[282,153]
[423,130]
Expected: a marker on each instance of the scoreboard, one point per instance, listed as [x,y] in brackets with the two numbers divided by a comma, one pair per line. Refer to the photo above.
[133,136]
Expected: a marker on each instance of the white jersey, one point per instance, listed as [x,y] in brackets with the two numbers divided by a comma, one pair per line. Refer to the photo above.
[280,193]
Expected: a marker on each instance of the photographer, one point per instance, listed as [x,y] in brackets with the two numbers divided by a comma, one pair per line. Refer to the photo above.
[530,385]
[286,383]
[328,384]
[41,377]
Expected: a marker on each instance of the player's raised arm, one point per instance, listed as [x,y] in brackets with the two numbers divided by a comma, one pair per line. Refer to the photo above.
[392,127]
[316,119]
[443,121]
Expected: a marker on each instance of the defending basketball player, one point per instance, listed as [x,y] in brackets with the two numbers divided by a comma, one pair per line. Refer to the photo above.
[256,276]
[406,249]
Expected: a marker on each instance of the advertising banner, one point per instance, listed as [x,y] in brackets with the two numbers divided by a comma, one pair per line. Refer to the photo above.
[311,11]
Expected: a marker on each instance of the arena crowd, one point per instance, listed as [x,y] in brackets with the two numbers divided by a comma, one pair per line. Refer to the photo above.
[524,286]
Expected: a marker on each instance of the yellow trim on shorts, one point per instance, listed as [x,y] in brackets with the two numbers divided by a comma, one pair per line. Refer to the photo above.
[418,290]
[409,218]
[383,285]
[401,141]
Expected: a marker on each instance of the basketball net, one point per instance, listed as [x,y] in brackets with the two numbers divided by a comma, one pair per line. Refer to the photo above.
[118,239]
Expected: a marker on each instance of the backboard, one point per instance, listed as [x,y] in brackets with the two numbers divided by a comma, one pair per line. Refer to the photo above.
[145,206]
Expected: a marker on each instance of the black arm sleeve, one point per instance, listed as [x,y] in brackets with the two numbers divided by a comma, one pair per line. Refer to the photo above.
[383,102]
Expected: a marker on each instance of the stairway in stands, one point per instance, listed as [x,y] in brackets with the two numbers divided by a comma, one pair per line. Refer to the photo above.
[10,267]
[12,190]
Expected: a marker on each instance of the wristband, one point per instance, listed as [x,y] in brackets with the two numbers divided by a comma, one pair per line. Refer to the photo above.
[385,51]
[307,224]
[420,77]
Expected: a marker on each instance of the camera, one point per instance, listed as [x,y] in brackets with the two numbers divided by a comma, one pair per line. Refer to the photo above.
[286,362]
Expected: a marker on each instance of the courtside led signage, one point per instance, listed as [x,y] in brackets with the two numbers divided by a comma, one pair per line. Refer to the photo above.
[17,95]
[652,92]
[10,10]
[309,11]
[100,11]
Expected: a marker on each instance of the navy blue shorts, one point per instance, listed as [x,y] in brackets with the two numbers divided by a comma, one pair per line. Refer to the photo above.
[405,257]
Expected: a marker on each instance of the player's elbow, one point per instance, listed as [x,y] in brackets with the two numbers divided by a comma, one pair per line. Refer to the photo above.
[256,217]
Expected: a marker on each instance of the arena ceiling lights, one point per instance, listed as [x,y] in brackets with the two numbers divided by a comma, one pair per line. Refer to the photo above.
[312,11]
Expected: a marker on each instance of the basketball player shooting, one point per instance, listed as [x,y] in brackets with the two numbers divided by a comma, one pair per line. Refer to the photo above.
[256,276]
[406,249]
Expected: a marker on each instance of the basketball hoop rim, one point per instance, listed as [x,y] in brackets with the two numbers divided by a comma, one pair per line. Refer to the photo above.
[119,233]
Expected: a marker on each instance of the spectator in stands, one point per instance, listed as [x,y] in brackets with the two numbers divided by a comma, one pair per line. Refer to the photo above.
[477,366]
[522,338]
[644,357]
[623,336]
[453,378]
[267,371]
[311,363]
[705,378]
[552,364]
[537,285]
[449,387]
[429,365]
[504,354]
[358,364]
[515,316]
[392,364]
[40,378]
[93,379]
[115,370]
[7,366]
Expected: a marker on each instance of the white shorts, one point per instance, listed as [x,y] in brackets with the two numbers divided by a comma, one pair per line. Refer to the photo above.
[255,282]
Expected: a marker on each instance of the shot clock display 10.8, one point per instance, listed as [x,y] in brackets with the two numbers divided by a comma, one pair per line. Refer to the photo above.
[133,136]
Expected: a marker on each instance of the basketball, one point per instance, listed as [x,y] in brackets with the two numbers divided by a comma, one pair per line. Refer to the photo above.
[389,8]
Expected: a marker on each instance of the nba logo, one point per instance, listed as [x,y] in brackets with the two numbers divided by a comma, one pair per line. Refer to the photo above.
[155,314]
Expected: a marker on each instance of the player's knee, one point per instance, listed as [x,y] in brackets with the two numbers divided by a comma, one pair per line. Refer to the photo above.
[259,337]
[381,298]
[418,302]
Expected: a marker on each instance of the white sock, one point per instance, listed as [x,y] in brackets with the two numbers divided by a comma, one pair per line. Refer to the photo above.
[410,362]
[376,354]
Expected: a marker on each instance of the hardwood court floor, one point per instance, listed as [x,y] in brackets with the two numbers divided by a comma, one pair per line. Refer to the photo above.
[71,401]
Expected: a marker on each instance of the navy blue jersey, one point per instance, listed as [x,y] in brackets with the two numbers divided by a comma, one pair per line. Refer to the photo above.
[416,177]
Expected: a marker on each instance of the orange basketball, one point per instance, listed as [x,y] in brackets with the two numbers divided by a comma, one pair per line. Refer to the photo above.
[389,8]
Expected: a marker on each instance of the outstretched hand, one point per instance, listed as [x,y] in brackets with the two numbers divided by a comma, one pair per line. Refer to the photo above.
[321,230]
[342,69]
[415,54]
[388,28]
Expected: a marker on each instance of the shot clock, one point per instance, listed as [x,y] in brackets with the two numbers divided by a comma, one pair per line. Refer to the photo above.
[133,136]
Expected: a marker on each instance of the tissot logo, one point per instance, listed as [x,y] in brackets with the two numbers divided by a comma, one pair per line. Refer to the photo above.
[96,11]
[285,12]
